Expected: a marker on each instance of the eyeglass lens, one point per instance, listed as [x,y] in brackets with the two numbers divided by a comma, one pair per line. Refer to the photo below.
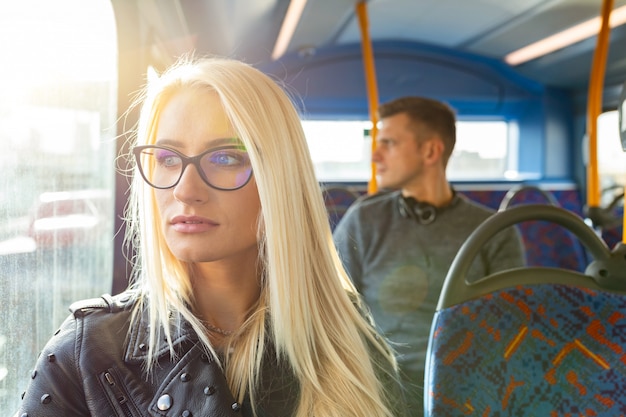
[224,168]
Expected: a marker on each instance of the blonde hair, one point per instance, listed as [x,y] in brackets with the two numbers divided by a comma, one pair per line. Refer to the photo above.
[307,305]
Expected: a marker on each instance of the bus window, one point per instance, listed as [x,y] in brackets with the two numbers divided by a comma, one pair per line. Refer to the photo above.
[483,152]
[57,129]
[341,150]
[611,158]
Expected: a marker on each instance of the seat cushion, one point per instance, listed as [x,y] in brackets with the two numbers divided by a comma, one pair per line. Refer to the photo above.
[540,350]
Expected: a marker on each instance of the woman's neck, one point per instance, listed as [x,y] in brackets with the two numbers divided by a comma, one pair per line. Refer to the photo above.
[224,294]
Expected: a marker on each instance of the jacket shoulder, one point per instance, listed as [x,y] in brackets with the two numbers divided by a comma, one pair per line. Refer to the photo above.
[105,303]
[69,370]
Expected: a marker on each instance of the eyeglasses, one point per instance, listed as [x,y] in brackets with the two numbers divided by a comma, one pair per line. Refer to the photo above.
[224,168]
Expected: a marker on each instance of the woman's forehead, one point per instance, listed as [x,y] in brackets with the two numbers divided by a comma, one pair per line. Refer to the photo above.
[197,116]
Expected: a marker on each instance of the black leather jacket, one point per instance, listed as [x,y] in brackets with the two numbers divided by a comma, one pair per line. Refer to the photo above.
[93,366]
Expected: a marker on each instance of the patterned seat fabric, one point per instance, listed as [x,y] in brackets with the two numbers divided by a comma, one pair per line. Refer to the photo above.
[614,235]
[337,201]
[538,350]
[547,244]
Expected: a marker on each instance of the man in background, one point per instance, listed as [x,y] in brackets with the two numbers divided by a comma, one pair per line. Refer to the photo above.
[398,245]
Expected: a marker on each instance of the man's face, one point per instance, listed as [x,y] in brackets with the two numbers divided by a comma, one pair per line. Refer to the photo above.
[398,157]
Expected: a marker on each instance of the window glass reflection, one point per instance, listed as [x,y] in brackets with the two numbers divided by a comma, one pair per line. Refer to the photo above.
[57,130]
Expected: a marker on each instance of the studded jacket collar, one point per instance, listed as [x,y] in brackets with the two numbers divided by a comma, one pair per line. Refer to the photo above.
[94,366]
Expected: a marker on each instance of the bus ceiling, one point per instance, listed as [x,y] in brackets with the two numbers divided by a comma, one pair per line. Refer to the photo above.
[251,30]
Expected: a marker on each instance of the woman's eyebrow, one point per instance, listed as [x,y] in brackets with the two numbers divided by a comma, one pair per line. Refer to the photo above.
[213,143]
[225,141]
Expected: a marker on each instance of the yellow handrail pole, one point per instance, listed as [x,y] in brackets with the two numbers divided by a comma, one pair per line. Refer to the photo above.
[594,104]
[370,83]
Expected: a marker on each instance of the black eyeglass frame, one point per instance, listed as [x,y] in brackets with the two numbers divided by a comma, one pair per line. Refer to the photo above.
[186,160]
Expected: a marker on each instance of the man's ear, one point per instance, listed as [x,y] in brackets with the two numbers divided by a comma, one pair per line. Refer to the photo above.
[433,150]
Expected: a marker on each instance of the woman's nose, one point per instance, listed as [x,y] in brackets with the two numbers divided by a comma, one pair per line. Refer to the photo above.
[191,187]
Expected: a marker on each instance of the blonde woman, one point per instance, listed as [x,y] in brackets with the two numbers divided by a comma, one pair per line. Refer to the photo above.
[240,305]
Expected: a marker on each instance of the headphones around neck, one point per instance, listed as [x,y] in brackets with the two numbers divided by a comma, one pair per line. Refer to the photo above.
[423,213]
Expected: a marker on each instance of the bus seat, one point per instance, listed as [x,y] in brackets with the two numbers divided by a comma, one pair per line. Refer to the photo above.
[614,235]
[609,220]
[337,200]
[532,341]
[546,243]
[518,190]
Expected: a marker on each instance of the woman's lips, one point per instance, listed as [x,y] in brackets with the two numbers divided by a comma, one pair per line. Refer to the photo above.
[192,224]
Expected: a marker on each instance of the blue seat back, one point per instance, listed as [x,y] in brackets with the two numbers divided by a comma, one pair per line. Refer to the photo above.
[546,243]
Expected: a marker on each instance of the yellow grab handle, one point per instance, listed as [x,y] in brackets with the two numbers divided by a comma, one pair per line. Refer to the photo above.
[370,82]
[594,104]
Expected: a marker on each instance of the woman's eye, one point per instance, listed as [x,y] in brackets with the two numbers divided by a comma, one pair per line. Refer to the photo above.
[228,158]
[168,159]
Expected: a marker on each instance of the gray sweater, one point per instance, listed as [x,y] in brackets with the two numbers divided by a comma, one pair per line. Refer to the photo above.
[399,266]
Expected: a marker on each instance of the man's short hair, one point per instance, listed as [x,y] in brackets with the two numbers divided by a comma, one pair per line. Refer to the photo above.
[428,117]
